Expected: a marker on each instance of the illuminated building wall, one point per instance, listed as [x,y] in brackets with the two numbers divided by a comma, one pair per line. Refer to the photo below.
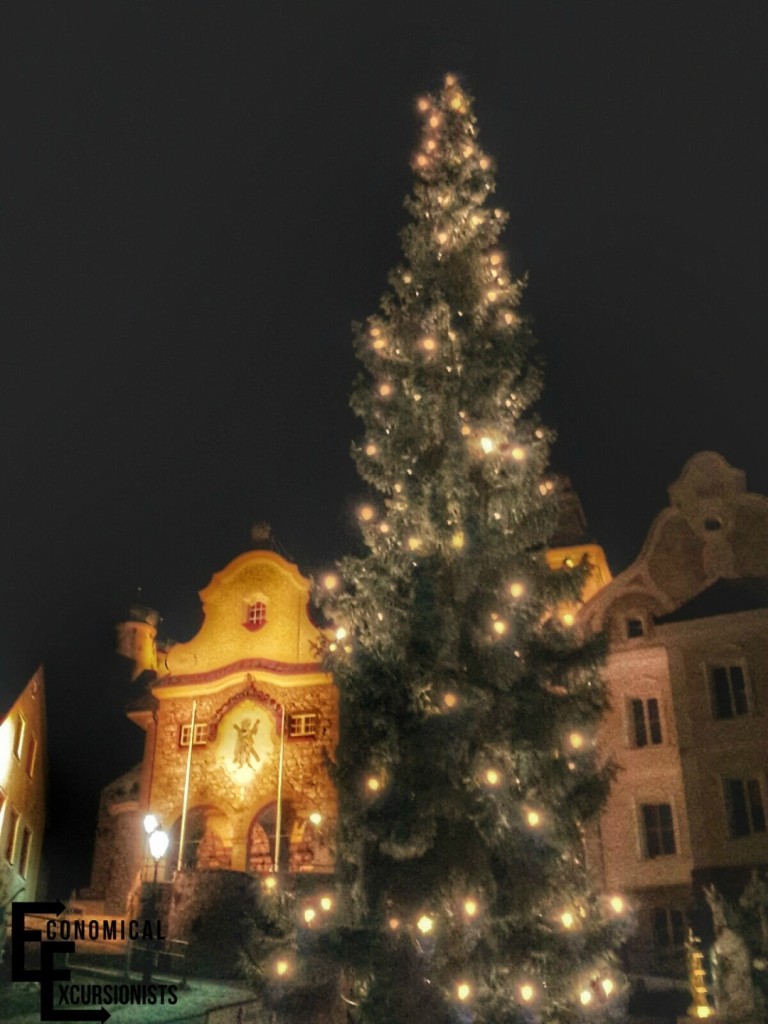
[22,792]
[688,724]
[252,668]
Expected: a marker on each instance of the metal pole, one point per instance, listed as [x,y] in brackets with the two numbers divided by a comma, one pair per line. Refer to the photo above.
[279,815]
[185,800]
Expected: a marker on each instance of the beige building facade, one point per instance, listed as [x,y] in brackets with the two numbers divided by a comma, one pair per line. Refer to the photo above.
[22,792]
[688,724]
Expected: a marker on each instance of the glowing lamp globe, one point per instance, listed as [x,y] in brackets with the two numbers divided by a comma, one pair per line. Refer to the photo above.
[527,992]
[316,818]
[281,968]
[533,818]
[425,924]
[151,824]
[158,843]
[607,986]
[470,907]
[463,991]
[585,997]
[309,915]
[617,904]
[326,903]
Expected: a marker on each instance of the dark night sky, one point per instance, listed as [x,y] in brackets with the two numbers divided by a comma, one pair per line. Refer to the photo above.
[197,200]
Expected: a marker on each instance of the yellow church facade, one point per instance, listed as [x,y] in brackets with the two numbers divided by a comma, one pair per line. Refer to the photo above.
[241,725]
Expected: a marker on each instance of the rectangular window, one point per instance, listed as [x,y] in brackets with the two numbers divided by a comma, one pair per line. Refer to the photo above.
[18,737]
[658,830]
[668,929]
[31,756]
[13,829]
[26,847]
[744,801]
[645,721]
[635,628]
[729,691]
[302,724]
[200,737]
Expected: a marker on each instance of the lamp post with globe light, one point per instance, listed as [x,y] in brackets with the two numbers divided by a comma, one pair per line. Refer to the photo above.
[157,840]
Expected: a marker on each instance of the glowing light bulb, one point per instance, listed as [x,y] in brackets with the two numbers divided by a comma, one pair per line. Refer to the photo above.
[330,581]
[371,449]
[510,318]
[281,968]
[533,818]
[270,883]
[495,259]
[576,740]
[373,784]
[384,528]
[431,145]
[527,992]
[518,454]
[467,152]
[485,163]
[425,924]
[326,903]
[465,430]
[450,79]
[492,777]
[457,540]
[456,102]
[607,986]
[450,700]
[463,991]
[385,390]
[434,121]
[470,907]
[423,104]
[428,344]
[585,996]
[486,443]
[367,513]
[407,278]
[398,488]
[333,647]
[491,295]
[567,619]
[393,923]
[543,489]
[617,904]
[310,914]
[442,237]
[567,919]
[422,160]
[341,633]
[316,818]
[516,589]
[414,543]
[500,627]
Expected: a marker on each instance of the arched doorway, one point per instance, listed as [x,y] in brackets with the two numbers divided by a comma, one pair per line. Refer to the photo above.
[207,840]
[261,839]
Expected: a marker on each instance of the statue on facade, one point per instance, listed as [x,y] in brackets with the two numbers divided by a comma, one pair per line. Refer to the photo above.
[731,966]
[244,748]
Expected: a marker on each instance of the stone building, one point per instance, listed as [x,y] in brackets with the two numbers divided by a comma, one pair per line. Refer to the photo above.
[688,725]
[241,724]
[22,792]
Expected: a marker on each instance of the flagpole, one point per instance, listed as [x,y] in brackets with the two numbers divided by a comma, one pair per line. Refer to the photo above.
[279,815]
[185,800]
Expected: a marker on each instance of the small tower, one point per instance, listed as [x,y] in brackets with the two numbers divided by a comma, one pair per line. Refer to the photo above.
[137,639]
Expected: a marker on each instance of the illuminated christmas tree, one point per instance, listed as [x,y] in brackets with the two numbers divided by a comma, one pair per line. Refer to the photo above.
[466,768]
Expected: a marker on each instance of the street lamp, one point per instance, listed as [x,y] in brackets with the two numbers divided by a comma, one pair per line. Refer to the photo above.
[157,839]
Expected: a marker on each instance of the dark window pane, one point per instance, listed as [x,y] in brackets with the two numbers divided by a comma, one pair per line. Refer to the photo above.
[678,927]
[634,628]
[739,690]
[737,808]
[651,829]
[660,929]
[722,692]
[756,806]
[667,831]
[638,719]
[654,721]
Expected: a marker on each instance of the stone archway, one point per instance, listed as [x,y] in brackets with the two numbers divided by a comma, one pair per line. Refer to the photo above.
[207,840]
[260,857]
